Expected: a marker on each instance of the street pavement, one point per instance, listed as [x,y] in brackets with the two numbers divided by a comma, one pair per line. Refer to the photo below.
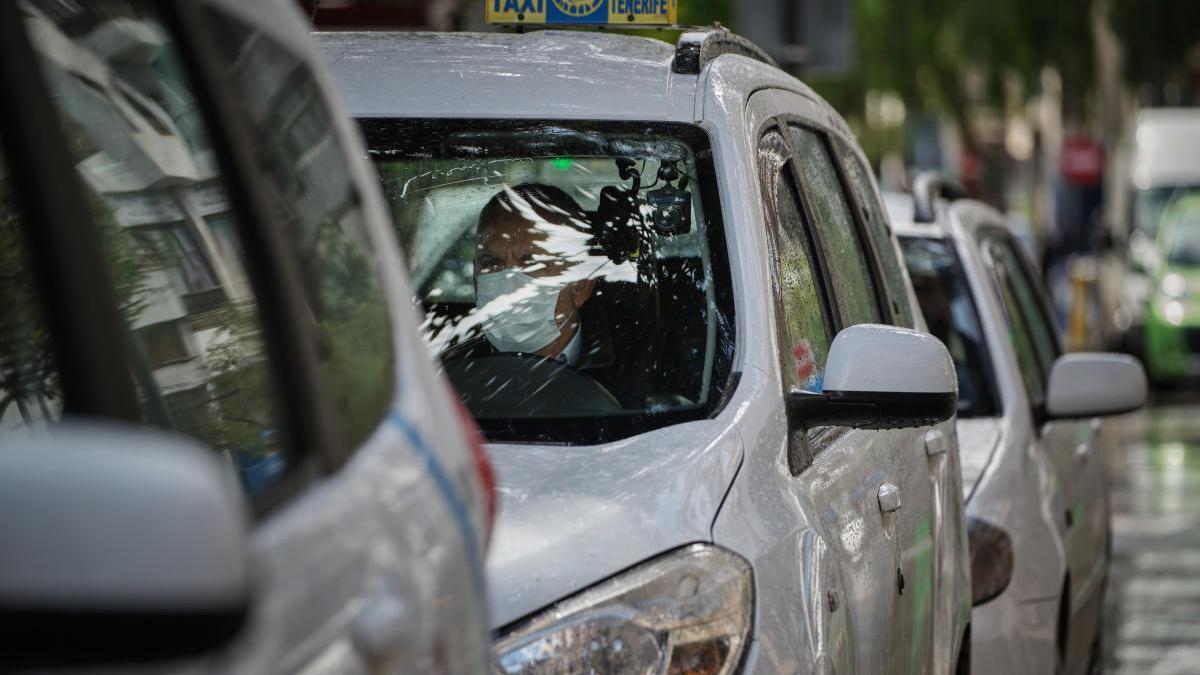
[1152,613]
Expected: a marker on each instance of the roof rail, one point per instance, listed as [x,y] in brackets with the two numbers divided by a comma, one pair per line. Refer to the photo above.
[697,47]
[928,187]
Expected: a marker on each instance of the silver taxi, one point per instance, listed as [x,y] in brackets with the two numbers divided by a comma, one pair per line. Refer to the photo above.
[1037,502]
[662,280]
[223,447]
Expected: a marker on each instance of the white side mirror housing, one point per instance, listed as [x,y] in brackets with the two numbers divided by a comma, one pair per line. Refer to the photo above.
[1091,384]
[111,530]
[881,377]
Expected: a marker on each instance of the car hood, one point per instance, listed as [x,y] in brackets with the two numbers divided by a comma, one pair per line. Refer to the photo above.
[571,516]
[978,438]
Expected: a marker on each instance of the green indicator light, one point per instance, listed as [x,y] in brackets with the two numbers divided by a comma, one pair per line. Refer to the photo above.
[562,163]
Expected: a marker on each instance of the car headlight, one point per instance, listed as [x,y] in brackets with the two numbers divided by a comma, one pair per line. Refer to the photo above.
[687,612]
[991,560]
[1173,286]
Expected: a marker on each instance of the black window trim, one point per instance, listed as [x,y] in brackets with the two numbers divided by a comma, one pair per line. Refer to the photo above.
[65,250]
[869,256]
[307,419]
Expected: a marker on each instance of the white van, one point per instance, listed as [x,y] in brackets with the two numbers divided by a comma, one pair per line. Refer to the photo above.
[1158,163]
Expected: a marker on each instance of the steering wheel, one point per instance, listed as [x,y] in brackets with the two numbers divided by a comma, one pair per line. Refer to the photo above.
[516,384]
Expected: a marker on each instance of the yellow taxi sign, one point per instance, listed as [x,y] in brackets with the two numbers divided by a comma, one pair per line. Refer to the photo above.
[581,12]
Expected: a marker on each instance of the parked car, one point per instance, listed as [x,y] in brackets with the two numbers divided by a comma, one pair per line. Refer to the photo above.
[1172,321]
[1036,498]
[1153,167]
[663,282]
[223,446]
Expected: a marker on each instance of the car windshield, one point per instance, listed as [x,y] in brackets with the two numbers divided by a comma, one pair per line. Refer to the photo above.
[1183,245]
[1149,205]
[950,312]
[572,276]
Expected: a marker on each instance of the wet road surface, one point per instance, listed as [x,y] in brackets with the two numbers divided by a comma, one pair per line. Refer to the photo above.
[1152,613]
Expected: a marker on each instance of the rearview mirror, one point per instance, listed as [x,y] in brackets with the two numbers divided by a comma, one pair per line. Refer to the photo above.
[1091,384]
[880,377]
[120,545]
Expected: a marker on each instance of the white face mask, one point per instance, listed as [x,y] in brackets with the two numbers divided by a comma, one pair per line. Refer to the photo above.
[522,310]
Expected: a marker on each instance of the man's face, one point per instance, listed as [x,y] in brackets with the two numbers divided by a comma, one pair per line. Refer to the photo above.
[510,242]
[542,250]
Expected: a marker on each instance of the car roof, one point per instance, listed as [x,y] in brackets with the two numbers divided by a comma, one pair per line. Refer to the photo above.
[967,216]
[569,74]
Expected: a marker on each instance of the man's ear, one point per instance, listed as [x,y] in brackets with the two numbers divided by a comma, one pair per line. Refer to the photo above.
[581,291]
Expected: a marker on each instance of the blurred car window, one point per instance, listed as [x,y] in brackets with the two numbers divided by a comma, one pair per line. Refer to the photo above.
[1150,203]
[881,233]
[131,118]
[848,271]
[1020,334]
[30,390]
[1026,289]
[304,167]
[806,343]
[949,309]
[1183,245]
[566,270]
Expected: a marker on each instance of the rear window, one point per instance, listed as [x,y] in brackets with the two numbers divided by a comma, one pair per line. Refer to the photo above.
[572,276]
[949,309]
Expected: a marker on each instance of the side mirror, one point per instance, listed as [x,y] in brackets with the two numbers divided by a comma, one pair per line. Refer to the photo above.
[1091,384]
[880,377]
[121,545]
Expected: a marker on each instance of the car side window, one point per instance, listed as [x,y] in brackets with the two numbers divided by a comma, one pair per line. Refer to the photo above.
[130,116]
[849,275]
[804,337]
[1020,334]
[879,230]
[1045,340]
[30,391]
[304,165]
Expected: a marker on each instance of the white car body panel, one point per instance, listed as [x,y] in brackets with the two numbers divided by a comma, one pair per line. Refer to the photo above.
[1023,480]
[402,524]
[570,516]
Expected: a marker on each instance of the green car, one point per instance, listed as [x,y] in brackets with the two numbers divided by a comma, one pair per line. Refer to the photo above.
[1172,348]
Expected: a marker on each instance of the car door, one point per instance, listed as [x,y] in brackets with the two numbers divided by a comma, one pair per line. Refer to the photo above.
[840,471]
[243,259]
[1068,443]
[858,288]
[951,583]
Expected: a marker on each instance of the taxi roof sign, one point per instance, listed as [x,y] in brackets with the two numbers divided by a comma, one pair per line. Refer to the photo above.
[581,12]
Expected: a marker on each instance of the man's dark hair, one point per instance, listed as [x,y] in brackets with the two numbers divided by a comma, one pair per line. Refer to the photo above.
[550,203]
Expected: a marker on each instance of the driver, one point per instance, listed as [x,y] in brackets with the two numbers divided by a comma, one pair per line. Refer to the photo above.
[530,282]
[534,291]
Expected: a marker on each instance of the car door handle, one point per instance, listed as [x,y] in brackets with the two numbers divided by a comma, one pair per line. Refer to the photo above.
[935,442]
[889,498]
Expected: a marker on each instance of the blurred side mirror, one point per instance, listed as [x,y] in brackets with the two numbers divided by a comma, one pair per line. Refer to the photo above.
[1091,384]
[880,377]
[120,545]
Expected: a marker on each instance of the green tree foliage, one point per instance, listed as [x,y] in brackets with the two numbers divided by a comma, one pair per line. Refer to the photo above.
[1159,36]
